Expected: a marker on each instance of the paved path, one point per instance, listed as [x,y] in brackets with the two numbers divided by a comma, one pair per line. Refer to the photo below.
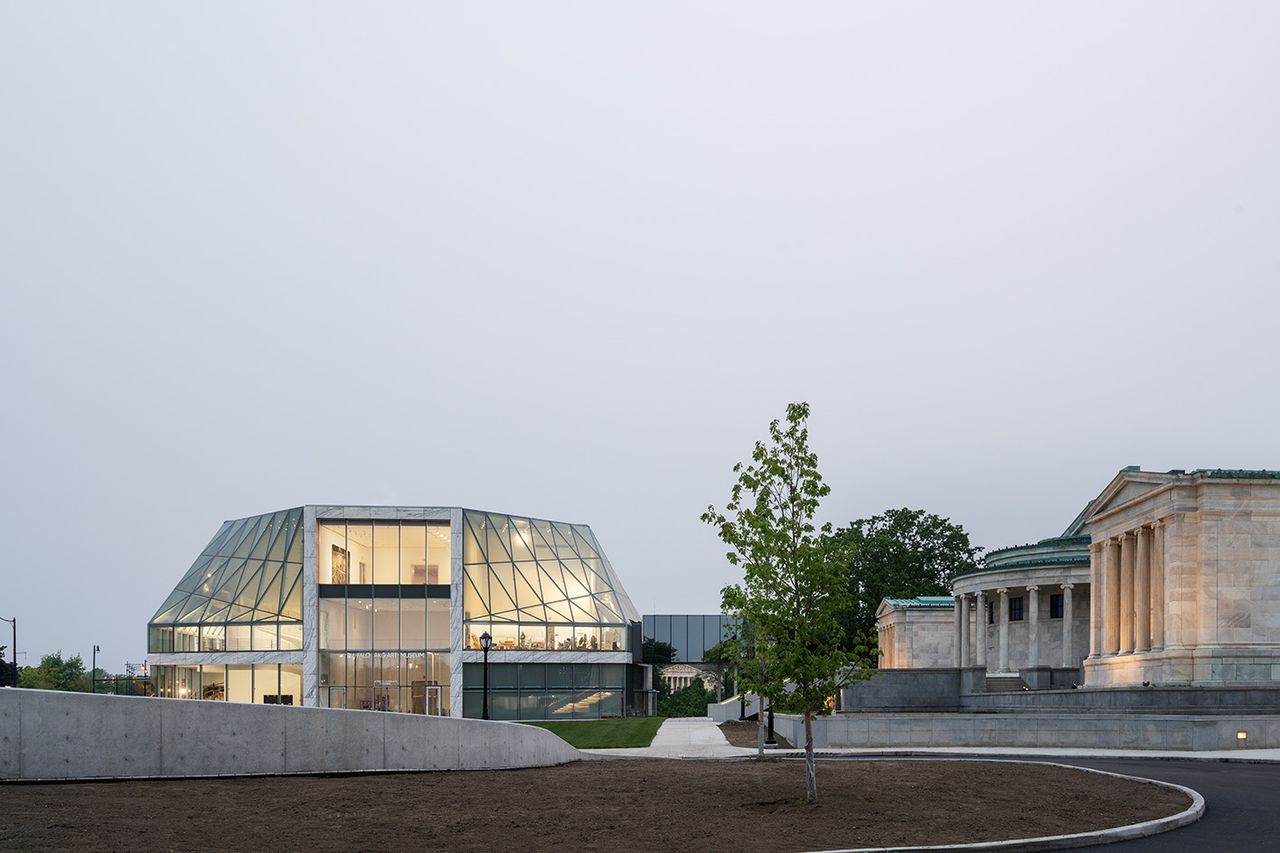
[1241,800]
[682,737]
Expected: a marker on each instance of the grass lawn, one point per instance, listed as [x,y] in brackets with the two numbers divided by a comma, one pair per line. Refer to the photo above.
[606,734]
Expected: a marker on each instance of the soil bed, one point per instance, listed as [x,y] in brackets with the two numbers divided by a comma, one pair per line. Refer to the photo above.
[743,733]
[588,805]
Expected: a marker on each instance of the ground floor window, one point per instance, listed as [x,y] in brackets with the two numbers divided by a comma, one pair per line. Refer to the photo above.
[1015,609]
[259,683]
[1055,606]
[403,682]
[545,691]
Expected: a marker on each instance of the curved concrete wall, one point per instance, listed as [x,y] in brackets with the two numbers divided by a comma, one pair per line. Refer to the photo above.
[52,735]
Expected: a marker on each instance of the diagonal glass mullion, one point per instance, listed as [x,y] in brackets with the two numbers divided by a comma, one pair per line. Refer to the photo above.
[497,536]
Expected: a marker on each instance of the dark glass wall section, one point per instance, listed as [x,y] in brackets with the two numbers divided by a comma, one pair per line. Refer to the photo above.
[545,691]
[690,634]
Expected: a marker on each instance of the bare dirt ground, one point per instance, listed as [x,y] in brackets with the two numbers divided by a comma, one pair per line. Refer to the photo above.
[744,734]
[588,805]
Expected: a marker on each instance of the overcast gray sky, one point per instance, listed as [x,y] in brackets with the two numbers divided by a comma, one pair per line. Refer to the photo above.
[568,260]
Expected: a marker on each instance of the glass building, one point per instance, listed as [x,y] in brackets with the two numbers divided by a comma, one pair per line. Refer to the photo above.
[688,634]
[382,608]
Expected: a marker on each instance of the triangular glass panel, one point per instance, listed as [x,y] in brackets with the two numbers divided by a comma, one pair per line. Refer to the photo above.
[501,585]
[575,580]
[229,542]
[294,554]
[543,538]
[606,600]
[270,599]
[226,591]
[247,543]
[472,551]
[217,615]
[194,608]
[564,541]
[212,546]
[475,604]
[265,535]
[526,594]
[171,615]
[280,544]
[175,598]
[533,614]
[584,610]
[558,611]
[521,540]
[240,613]
[497,542]
[552,580]
[585,548]
[292,608]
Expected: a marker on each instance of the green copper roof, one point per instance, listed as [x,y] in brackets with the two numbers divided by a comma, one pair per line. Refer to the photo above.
[922,601]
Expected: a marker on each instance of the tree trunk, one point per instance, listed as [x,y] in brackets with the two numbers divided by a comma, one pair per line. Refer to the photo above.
[759,726]
[810,766]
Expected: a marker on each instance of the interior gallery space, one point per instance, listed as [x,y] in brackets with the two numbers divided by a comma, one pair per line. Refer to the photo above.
[387,608]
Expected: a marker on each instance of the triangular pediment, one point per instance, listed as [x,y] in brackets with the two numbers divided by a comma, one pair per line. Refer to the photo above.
[1128,485]
[885,607]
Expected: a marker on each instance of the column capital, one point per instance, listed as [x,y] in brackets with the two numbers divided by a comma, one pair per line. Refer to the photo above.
[1002,591]
[1033,588]
[1067,585]
[1158,523]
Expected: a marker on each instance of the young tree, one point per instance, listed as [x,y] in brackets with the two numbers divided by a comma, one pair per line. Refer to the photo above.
[900,553]
[793,590]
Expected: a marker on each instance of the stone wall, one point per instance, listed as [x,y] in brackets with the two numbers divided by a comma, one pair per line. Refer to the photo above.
[53,735]
[897,689]
[1092,730]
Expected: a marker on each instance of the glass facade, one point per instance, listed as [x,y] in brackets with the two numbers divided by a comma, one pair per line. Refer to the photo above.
[545,691]
[384,615]
[244,591]
[539,585]
[260,683]
[690,635]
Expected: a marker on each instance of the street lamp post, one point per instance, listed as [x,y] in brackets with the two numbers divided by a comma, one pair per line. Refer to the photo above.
[93,671]
[770,740]
[486,643]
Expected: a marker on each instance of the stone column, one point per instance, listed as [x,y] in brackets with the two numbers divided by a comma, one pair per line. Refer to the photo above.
[958,657]
[1111,599]
[1068,659]
[980,628]
[1157,585]
[1095,599]
[1033,625]
[966,656]
[1002,619]
[1142,592]
[1126,594]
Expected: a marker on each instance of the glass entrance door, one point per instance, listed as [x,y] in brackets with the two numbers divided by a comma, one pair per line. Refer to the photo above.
[433,700]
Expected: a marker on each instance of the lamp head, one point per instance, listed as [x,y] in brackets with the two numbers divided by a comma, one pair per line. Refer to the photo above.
[486,642]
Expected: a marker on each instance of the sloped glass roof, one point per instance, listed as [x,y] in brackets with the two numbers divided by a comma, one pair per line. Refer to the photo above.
[528,570]
[251,571]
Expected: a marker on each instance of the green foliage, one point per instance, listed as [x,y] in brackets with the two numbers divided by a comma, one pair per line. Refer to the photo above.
[690,701]
[793,590]
[652,651]
[54,673]
[605,734]
[8,671]
[900,553]
[721,655]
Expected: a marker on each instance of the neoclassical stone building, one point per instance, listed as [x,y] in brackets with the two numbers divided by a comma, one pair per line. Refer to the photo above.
[1165,578]
[915,633]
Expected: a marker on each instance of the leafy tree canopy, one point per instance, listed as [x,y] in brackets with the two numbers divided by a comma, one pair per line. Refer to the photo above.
[55,673]
[901,553]
[793,589]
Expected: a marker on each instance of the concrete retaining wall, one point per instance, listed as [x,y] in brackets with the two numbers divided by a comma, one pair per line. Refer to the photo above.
[1148,700]
[729,709]
[896,689]
[52,735]
[1096,731]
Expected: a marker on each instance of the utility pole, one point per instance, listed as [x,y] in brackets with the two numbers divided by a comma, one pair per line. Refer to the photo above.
[14,647]
[93,672]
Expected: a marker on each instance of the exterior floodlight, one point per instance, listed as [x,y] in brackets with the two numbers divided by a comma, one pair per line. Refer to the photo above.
[1242,735]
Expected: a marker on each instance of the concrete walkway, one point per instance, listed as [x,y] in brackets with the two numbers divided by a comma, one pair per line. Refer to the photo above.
[681,737]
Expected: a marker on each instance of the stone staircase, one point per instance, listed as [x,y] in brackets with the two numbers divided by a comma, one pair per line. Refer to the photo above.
[1005,684]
